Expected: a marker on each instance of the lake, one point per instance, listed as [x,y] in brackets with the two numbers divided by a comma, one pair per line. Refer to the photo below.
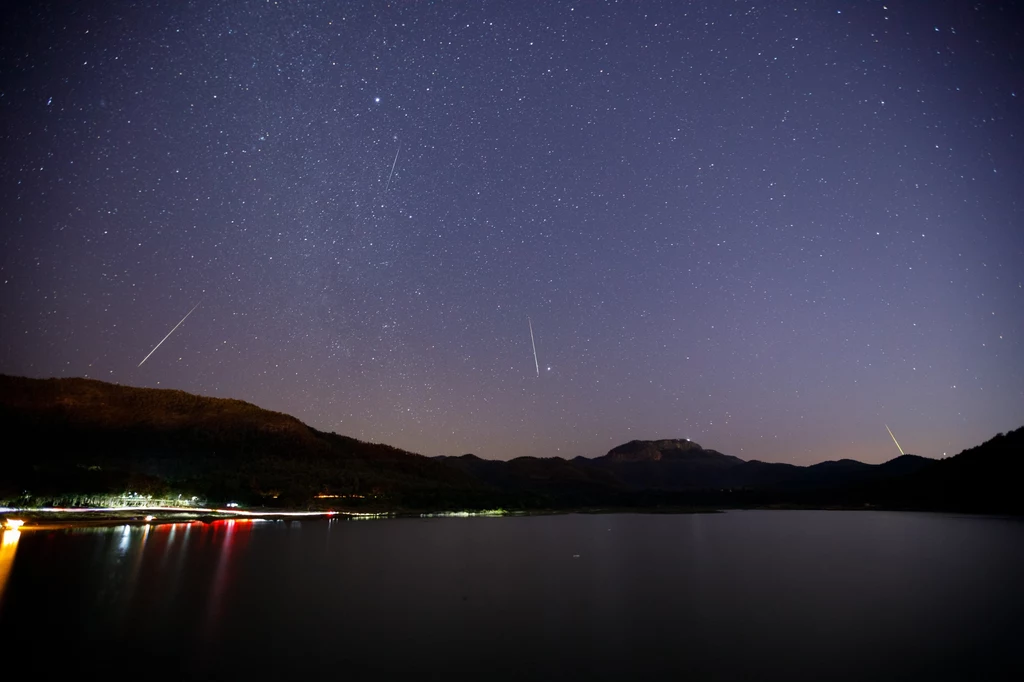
[786,595]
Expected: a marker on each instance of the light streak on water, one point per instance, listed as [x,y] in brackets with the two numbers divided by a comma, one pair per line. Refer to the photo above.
[8,546]
[126,536]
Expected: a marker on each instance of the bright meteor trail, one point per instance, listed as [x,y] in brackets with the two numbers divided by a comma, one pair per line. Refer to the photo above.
[168,334]
[534,344]
[894,439]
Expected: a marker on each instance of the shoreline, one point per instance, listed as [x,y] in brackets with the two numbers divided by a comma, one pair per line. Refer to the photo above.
[67,519]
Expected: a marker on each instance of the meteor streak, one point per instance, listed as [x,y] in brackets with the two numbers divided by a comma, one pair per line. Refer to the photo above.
[392,168]
[534,344]
[894,439]
[168,334]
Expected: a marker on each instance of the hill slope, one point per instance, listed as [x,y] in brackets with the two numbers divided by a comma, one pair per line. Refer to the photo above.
[80,435]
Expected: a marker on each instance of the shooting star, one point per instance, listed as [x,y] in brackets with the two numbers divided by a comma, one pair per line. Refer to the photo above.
[894,439]
[168,334]
[397,152]
[534,344]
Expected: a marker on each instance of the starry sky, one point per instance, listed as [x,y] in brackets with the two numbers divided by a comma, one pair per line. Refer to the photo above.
[768,227]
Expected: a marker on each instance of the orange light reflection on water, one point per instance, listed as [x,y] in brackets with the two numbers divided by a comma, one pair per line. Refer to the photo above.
[8,546]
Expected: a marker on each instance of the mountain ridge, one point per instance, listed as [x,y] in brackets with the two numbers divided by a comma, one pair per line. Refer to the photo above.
[86,435]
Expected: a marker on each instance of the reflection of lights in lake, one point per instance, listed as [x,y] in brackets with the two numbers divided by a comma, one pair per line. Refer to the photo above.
[232,535]
[13,524]
[8,545]
[125,538]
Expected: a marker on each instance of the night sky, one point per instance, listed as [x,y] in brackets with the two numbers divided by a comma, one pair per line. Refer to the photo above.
[768,227]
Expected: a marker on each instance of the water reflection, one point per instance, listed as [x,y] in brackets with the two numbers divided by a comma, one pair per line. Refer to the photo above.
[126,536]
[133,578]
[225,533]
[8,546]
[724,596]
[145,576]
[135,566]
[175,538]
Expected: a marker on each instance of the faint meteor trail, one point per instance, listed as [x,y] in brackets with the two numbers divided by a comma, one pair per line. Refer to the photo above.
[534,344]
[894,439]
[168,334]
[397,152]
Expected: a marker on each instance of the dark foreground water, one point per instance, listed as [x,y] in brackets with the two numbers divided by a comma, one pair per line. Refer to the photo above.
[786,595]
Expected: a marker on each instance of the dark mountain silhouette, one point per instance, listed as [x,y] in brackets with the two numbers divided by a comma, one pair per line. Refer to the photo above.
[986,478]
[665,465]
[79,436]
[676,450]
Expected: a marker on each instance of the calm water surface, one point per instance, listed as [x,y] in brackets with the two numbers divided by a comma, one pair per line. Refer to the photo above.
[787,595]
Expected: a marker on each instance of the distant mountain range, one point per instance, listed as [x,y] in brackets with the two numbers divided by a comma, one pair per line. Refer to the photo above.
[68,438]
[679,466]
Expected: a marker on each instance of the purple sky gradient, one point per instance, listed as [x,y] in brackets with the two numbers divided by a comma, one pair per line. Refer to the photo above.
[767,227]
